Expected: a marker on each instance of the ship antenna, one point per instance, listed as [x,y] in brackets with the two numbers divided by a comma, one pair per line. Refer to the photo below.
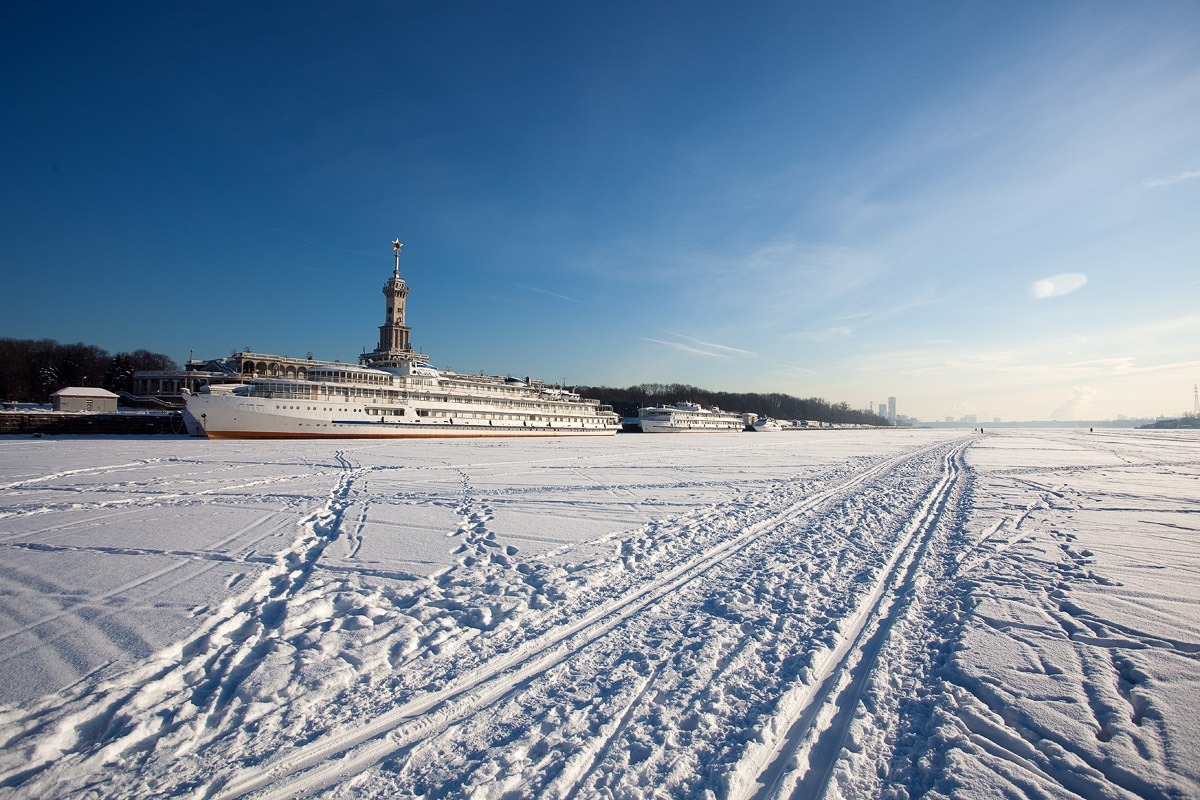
[396,245]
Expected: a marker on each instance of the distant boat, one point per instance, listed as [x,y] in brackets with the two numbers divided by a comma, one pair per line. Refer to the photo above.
[394,394]
[766,425]
[688,418]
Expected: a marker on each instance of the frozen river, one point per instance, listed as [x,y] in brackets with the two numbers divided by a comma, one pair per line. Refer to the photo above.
[813,614]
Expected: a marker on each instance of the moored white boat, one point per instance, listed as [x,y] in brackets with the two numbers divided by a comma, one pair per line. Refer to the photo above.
[365,403]
[766,425]
[394,394]
[688,418]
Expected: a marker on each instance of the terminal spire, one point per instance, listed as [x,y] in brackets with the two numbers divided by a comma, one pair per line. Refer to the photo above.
[396,245]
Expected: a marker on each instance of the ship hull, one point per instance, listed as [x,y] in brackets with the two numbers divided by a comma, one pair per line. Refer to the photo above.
[224,417]
[656,427]
[409,431]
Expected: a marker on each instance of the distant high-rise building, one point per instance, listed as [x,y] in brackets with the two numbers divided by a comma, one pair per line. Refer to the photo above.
[883,410]
[891,409]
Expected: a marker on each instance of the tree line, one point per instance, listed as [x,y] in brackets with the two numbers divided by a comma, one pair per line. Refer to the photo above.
[626,402]
[33,369]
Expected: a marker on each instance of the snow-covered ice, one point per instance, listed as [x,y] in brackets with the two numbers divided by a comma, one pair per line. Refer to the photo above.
[814,614]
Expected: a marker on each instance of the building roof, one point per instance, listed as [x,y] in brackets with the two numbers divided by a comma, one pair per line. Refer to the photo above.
[83,391]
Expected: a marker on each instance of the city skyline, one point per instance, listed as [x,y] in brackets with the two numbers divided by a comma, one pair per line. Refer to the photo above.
[977,209]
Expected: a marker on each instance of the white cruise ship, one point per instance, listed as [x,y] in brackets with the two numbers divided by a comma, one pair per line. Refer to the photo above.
[688,418]
[393,394]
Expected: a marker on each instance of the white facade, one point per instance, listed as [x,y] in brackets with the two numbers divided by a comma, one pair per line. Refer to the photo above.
[84,398]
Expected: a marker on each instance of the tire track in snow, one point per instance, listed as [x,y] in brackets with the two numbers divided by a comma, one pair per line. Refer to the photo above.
[813,726]
[318,764]
[132,712]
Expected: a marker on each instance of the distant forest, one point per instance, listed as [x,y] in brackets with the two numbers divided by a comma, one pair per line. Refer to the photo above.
[626,402]
[33,369]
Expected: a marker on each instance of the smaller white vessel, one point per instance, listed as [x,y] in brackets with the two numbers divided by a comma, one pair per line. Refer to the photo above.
[688,418]
[766,425]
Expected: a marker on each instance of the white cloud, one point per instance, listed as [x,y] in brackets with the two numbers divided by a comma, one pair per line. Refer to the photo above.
[1058,285]
[706,349]
[1080,399]
[959,410]
[1183,176]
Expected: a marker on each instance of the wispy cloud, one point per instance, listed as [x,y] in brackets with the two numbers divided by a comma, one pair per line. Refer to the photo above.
[1002,153]
[737,351]
[555,295]
[792,270]
[1032,364]
[1102,365]
[1183,176]
[1058,285]
[699,348]
[792,369]
[846,325]
[1161,328]
[826,334]
[686,348]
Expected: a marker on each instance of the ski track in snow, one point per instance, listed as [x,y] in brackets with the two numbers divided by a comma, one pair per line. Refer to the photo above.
[799,763]
[944,618]
[405,725]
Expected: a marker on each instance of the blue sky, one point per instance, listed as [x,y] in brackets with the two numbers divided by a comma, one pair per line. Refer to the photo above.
[980,208]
